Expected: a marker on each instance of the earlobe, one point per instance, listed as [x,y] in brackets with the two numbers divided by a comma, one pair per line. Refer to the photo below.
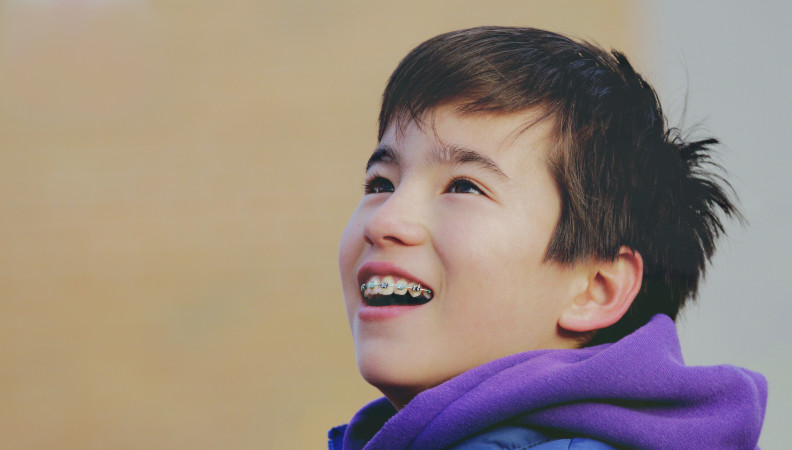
[611,289]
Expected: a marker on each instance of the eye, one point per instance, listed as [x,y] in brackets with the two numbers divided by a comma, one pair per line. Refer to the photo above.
[463,186]
[377,185]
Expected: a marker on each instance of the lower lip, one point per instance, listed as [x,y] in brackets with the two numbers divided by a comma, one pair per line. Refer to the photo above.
[366,312]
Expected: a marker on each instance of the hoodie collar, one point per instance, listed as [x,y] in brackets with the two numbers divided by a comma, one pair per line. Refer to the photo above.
[636,392]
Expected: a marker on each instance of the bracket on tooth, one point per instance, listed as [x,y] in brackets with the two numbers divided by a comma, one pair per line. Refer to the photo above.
[384,285]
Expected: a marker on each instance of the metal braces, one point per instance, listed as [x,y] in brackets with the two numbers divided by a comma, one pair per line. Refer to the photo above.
[384,285]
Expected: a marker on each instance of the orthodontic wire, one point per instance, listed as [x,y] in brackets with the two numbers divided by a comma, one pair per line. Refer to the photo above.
[384,285]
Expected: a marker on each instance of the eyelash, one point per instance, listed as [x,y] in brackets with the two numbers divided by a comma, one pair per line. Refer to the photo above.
[373,185]
[456,182]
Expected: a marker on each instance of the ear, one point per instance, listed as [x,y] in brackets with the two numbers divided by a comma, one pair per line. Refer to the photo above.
[611,289]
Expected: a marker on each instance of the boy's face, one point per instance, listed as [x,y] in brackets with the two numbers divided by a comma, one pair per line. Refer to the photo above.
[465,206]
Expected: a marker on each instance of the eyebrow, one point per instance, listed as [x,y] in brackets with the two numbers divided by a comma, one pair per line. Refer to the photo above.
[383,154]
[456,155]
[443,154]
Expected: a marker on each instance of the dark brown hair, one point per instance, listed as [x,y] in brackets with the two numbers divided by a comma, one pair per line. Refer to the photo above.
[625,178]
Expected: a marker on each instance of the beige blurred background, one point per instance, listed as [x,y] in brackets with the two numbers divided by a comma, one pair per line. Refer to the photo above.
[174,180]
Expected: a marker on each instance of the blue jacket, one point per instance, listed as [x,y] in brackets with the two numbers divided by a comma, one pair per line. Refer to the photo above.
[511,437]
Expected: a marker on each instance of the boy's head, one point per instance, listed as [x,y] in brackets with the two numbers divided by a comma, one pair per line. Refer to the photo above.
[528,181]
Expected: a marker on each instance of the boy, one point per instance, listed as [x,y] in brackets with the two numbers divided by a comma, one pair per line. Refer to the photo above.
[528,231]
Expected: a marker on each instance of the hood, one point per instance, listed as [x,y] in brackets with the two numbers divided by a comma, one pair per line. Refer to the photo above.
[636,392]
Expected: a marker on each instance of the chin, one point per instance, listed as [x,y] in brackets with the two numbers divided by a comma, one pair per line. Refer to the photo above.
[382,369]
[401,379]
[398,379]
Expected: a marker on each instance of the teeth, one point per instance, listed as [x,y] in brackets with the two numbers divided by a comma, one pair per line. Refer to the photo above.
[387,286]
[374,285]
[414,289]
[401,287]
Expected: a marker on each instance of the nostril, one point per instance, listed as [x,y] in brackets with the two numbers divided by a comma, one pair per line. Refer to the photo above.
[393,222]
[400,233]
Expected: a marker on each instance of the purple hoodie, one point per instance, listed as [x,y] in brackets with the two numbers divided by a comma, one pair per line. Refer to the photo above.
[636,392]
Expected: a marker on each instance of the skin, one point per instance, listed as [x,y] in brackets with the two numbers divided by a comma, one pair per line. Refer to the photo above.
[479,243]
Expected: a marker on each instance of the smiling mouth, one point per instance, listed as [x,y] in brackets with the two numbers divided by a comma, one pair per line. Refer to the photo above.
[387,292]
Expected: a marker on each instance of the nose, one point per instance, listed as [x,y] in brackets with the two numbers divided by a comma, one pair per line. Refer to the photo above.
[396,221]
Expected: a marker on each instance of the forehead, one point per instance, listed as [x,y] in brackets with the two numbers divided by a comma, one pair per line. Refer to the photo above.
[513,138]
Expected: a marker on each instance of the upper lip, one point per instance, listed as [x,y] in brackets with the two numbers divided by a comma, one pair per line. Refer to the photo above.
[383,268]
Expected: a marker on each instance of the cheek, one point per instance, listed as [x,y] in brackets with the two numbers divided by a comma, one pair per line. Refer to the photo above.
[349,253]
[346,252]
[351,243]
[497,257]
[494,241]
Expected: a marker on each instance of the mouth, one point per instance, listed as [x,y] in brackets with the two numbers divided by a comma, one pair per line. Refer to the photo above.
[389,290]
